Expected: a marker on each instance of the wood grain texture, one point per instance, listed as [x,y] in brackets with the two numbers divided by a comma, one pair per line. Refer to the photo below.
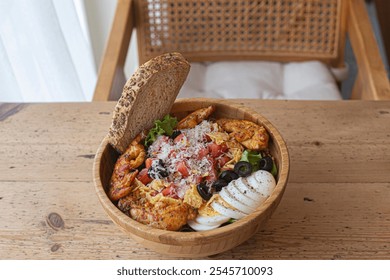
[382,8]
[373,80]
[335,205]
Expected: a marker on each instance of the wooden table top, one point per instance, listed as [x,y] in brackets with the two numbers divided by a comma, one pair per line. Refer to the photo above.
[336,204]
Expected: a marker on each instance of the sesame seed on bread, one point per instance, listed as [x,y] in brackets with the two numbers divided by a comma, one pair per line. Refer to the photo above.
[147,96]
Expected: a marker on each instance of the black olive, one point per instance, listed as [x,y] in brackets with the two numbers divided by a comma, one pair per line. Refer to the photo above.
[204,191]
[243,168]
[175,133]
[228,176]
[219,184]
[163,173]
[157,170]
[266,163]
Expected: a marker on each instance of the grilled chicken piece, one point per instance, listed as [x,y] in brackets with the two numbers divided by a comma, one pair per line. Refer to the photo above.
[195,118]
[167,213]
[252,136]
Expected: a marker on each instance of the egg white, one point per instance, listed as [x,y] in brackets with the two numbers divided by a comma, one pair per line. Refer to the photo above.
[266,182]
[249,189]
[201,227]
[238,199]
[209,217]
[252,188]
[235,201]
[227,210]
[211,220]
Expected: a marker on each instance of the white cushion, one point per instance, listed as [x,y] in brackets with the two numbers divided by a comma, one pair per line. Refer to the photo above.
[258,79]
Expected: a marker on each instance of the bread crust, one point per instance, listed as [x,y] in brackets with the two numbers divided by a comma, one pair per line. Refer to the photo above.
[147,96]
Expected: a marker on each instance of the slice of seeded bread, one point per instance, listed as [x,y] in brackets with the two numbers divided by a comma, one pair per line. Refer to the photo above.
[147,96]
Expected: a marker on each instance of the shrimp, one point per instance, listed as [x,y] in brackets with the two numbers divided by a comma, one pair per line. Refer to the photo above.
[252,136]
[125,169]
[195,118]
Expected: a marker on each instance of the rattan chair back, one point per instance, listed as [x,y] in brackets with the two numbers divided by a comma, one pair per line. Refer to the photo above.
[282,30]
[221,30]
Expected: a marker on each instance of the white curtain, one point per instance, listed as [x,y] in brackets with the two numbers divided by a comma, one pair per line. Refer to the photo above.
[45,52]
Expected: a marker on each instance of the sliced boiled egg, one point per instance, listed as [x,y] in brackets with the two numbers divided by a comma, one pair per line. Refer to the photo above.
[209,217]
[225,209]
[238,199]
[266,182]
[201,227]
[250,186]
[235,201]
[237,188]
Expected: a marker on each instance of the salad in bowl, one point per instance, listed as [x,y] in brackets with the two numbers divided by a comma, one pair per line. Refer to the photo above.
[196,174]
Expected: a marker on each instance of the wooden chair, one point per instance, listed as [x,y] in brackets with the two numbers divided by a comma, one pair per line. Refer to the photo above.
[273,30]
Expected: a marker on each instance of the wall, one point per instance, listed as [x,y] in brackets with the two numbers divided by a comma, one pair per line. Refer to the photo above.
[100,14]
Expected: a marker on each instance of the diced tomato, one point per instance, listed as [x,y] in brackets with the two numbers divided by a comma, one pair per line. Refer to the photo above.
[202,153]
[197,179]
[212,175]
[164,139]
[170,191]
[172,154]
[167,191]
[144,177]
[148,162]
[179,138]
[183,169]
[221,161]
[224,147]
[212,160]
[216,150]
[207,138]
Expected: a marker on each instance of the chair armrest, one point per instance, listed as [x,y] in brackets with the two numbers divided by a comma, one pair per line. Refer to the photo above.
[111,77]
[373,83]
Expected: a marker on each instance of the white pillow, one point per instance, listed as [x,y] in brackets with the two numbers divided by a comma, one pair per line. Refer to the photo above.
[263,80]
[248,79]
[309,80]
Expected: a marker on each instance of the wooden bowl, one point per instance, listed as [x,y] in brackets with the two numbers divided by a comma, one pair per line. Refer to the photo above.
[196,244]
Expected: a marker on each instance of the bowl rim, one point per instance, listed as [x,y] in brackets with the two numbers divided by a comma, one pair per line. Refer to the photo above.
[191,238]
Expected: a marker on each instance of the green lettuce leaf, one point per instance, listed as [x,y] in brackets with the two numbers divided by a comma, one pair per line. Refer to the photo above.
[274,170]
[167,124]
[252,157]
[161,127]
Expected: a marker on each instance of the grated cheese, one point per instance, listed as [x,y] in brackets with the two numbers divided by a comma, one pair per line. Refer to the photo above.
[185,151]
